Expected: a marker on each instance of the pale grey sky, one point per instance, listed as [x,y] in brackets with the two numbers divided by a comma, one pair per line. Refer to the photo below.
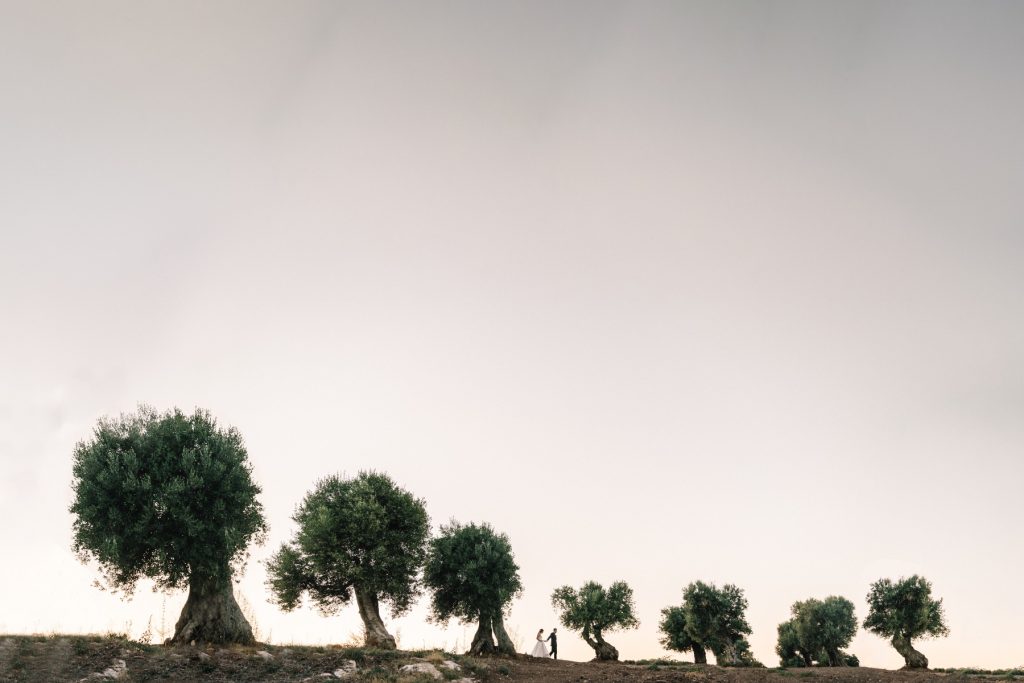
[737,285]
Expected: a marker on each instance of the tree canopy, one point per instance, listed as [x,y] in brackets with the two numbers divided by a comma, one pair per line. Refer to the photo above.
[818,630]
[472,574]
[170,497]
[676,637]
[789,648]
[363,536]
[904,610]
[595,611]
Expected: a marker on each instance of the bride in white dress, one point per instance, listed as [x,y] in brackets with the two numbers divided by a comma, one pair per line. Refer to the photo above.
[541,648]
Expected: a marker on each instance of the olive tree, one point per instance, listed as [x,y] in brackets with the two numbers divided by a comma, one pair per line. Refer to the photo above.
[905,610]
[473,576]
[824,627]
[792,653]
[170,497]
[595,611]
[715,618]
[363,536]
[676,637]
[818,630]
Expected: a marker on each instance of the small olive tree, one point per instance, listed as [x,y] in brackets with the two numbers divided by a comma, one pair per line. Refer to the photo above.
[905,610]
[170,496]
[363,536]
[715,618]
[676,637]
[595,611]
[473,576]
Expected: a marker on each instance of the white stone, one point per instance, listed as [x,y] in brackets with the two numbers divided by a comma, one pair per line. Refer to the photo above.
[449,664]
[264,655]
[203,656]
[347,669]
[421,668]
[118,670]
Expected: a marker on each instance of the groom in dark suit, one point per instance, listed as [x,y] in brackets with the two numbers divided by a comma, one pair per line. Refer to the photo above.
[553,638]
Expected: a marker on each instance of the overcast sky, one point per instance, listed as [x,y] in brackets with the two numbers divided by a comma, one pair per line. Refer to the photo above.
[728,291]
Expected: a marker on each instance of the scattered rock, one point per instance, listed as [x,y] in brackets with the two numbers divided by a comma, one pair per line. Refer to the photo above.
[421,668]
[203,656]
[118,670]
[449,664]
[114,672]
[264,655]
[347,669]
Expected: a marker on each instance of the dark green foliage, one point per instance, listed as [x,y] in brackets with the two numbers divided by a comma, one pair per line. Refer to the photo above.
[675,636]
[165,496]
[789,648]
[716,618]
[904,610]
[594,610]
[673,630]
[470,569]
[472,574]
[823,628]
[366,532]
[363,536]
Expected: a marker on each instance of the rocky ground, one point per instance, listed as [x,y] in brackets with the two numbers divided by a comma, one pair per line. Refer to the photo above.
[95,659]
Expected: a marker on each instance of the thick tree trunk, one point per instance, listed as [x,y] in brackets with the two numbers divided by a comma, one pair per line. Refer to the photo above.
[211,615]
[505,644]
[834,658]
[604,652]
[913,658]
[483,641]
[369,611]
[808,660]
[699,655]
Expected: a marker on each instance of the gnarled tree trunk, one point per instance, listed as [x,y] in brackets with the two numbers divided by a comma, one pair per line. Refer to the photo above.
[483,640]
[604,651]
[699,655]
[806,656]
[211,615]
[728,655]
[369,611]
[913,658]
[505,644]
[834,658]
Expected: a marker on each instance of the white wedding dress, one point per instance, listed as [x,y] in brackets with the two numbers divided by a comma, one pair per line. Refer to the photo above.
[540,649]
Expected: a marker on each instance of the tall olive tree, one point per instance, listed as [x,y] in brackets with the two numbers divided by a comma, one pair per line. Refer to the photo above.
[676,637]
[473,577]
[595,611]
[170,496]
[715,618]
[904,610]
[363,536]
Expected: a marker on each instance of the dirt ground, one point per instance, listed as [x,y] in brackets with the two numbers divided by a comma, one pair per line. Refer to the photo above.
[532,670]
[58,658]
